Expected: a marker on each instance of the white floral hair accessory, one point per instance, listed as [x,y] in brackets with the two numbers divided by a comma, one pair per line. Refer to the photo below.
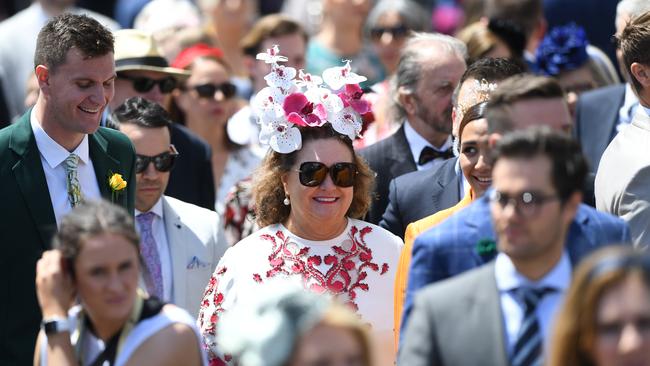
[264,331]
[479,93]
[289,101]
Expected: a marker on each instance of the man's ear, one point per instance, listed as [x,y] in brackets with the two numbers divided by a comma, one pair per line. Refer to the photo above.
[571,206]
[407,100]
[641,73]
[43,77]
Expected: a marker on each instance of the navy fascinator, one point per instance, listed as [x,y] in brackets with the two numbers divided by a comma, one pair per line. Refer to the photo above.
[564,48]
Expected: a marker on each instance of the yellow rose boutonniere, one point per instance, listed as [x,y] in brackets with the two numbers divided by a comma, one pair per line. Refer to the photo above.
[117,185]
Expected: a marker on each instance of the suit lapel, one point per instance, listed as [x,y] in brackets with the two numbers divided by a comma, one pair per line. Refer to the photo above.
[401,154]
[488,310]
[31,181]
[174,229]
[446,193]
[104,164]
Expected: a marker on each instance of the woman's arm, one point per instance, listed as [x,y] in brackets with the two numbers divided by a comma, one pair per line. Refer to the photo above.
[176,344]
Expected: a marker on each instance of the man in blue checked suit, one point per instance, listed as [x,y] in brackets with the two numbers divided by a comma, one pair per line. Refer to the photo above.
[467,239]
[505,308]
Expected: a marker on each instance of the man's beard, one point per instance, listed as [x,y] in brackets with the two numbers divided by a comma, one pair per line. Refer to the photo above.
[439,123]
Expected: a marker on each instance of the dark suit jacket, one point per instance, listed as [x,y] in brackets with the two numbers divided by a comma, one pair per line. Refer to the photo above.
[596,120]
[419,194]
[450,315]
[191,179]
[27,224]
[451,247]
[389,158]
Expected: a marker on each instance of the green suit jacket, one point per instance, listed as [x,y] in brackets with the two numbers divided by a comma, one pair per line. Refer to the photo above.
[27,224]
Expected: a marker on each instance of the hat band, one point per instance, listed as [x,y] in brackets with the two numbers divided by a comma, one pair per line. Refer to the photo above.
[155,61]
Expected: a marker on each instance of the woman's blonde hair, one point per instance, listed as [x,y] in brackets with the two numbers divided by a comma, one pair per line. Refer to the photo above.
[575,327]
[268,191]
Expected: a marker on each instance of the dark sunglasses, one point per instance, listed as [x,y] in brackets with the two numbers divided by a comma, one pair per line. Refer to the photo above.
[162,162]
[228,90]
[313,173]
[143,84]
[398,31]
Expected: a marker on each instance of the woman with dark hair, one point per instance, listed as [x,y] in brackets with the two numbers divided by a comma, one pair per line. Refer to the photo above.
[310,192]
[605,319]
[97,260]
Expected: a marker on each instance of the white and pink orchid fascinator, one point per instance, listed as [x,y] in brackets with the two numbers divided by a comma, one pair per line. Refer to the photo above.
[289,102]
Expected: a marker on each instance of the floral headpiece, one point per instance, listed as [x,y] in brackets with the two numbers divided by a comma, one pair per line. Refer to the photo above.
[479,93]
[288,102]
[564,48]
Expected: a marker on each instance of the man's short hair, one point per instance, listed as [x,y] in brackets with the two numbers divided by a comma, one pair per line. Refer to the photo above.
[516,89]
[634,43]
[67,31]
[270,26]
[409,68]
[523,14]
[141,112]
[490,69]
[568,163]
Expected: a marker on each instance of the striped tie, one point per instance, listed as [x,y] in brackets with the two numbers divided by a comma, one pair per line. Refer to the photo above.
[528,348]
[72,180]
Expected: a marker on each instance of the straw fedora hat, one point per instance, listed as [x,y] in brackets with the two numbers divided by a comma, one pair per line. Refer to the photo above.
[137,50]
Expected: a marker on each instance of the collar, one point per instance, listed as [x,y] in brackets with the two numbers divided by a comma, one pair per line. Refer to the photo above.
[157,209]
[417,142]
[463,184]
[508,278]
[630,98]
[646,109]
[54,153]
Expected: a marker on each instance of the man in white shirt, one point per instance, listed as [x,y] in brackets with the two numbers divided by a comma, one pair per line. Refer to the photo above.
[180,243]
[503,310]
[53,158]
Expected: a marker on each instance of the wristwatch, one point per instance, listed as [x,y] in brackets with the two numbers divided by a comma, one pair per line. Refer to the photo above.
[56,325]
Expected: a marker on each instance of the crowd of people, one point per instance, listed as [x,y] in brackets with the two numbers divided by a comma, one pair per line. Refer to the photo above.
[324,182]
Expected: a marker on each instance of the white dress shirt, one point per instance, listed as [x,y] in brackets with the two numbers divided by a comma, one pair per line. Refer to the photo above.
[417,143]
[160,235]
[52,157]
[630,103]
[508,279]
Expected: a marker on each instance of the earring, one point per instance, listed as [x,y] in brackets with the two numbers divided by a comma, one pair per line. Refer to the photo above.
[286,201]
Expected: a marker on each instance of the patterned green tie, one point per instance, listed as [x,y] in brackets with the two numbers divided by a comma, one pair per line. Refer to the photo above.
[72,180]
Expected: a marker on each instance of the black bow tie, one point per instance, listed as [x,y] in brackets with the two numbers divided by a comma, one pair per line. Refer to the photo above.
[428,154]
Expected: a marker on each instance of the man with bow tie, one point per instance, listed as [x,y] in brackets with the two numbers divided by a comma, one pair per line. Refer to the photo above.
[427,74]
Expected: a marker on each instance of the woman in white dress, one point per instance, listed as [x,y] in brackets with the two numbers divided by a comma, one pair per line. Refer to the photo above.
[96,258]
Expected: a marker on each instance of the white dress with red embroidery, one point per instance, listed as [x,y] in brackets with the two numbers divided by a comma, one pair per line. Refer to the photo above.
[357,267]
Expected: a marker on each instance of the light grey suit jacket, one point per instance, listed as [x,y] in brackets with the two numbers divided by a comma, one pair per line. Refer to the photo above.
[456,322]
[622,185]
[196,243]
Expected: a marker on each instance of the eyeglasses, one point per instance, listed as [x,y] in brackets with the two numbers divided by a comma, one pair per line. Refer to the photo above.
[162,162]
[398,31]
[526,204]
[312,174]
[228,90]
[144,84]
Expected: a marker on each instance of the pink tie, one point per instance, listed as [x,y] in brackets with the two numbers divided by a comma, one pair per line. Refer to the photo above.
[149,252]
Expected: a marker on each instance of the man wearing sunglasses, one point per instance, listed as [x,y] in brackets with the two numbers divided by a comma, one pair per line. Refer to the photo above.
[466,239]
[142,71]
[180,243]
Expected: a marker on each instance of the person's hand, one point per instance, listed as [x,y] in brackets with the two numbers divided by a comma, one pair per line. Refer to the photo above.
[54,287]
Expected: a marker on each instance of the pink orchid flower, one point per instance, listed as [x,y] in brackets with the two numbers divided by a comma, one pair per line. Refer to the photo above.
[300,111]
[353,96]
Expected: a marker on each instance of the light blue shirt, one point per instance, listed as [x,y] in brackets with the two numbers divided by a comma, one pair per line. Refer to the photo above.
[630,103]
[508,279]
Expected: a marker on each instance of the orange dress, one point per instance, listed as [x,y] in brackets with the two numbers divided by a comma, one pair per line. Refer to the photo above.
[412,231]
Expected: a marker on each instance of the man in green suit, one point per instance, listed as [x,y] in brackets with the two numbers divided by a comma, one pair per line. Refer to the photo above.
[53,158]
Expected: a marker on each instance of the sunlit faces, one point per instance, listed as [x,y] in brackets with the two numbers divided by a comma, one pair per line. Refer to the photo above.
[431,103]
[623,325]
[205,114]
[151,183]
[106,277]
[124,87]
[473,157]
[325,345]
[553,113]
[537,235]
[324,206]
[77,92]
[464,100]
[293,46]
[388,36]
[575,82]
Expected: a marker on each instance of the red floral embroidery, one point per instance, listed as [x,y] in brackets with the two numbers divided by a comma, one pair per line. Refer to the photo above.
[216,299]
[347,266]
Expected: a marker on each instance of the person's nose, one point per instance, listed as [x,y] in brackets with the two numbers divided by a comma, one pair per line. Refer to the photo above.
[631,339]
[386,38]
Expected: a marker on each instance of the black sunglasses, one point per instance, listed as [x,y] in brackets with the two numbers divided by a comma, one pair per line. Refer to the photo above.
[228,90]
[398,31]
[313,173]
[143,84]
[162,162]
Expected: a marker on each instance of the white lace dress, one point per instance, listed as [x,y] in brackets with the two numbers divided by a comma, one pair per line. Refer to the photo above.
[357,267]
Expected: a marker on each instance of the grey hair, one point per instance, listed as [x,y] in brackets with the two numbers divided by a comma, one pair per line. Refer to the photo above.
[413,15]
[409,69]
[633,8]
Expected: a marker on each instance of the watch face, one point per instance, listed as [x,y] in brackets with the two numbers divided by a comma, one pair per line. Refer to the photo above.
[55,326]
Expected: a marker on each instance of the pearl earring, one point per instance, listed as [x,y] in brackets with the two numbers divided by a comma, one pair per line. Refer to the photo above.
[286,201]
